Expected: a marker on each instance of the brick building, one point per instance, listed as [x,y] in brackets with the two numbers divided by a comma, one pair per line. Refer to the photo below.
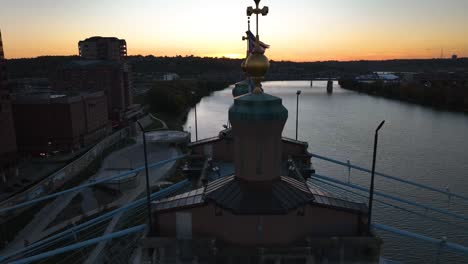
[46,123]
[8,157]
[103,48]
[112,77]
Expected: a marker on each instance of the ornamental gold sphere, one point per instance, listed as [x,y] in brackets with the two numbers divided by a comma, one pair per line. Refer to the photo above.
[257,65]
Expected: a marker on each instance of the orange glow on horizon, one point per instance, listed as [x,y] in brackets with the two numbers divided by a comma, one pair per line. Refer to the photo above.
[271,54]
[339,30]
[356,49]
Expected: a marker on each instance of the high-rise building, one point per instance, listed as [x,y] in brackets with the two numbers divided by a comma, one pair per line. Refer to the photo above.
[3,74]
[102,69]
[8,157]
[103,48]
[112,77]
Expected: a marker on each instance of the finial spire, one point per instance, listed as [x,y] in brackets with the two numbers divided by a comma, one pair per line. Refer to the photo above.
[246,37]
[257,63]
[257,11]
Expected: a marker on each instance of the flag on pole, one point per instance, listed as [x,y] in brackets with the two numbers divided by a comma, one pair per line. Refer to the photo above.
[252,39]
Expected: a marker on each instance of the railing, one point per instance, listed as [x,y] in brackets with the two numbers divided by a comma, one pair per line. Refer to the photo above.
[391,197]
[442,243]
[357,190]
[205,140]
[336,187]
[399,179]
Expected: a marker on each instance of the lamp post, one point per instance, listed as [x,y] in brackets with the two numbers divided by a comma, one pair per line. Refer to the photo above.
[371,192]
[148,198]
[196,126]
[297,110]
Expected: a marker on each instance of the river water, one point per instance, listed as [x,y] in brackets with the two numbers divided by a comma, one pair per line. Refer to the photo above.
[416,143]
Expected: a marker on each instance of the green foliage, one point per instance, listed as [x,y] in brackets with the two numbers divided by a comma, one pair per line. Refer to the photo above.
[440,94]
[40,67]
[176,97]
[229,69]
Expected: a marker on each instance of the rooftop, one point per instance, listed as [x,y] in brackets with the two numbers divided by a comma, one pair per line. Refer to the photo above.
[257,107]
[239,197]
[97,38]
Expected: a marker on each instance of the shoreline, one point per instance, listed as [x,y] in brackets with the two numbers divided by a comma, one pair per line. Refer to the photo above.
[440,97]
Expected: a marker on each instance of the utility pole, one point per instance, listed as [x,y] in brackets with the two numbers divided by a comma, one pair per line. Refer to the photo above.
[148,191]
[371,191]
[297,110]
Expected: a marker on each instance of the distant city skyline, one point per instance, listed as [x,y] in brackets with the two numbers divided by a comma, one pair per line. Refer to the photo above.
[298,30]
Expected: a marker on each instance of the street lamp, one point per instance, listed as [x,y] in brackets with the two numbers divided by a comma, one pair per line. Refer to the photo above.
[297,110]
[148,198]
[371,192]
[196,127]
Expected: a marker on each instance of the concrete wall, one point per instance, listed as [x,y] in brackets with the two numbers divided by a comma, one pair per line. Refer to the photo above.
[262,229]
[257,149]
[64,125]
[96,112]
[7,130]
[220,149]
[8,155]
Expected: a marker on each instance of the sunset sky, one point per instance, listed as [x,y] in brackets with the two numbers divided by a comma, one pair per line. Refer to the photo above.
[298,30]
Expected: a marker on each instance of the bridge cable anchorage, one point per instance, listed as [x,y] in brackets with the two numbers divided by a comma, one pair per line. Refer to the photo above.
[391,205]
[442,243]
[446,192]
[86,243]
[391,197]
[57,238]
[88,224]
[91,183]
[99,219]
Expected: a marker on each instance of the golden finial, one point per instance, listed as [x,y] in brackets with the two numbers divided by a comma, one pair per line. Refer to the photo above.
[257,64]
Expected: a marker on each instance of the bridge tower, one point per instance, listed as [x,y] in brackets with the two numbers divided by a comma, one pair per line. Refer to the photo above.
[330,86]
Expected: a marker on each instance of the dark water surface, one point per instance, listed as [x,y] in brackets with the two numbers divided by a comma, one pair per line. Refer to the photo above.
[416,143]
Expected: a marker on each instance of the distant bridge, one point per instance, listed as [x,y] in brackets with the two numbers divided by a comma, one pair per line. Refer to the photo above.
[303,76]
[282,77]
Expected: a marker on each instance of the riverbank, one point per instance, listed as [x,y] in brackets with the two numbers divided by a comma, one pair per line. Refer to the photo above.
[440,95]
[172,100]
